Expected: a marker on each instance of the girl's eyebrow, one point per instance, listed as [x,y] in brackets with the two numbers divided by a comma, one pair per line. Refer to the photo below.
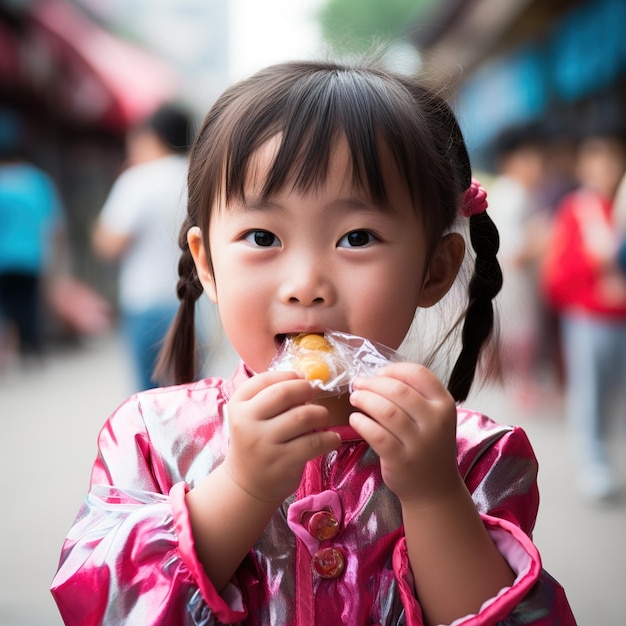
[358,204]
[255,204]
[347,204]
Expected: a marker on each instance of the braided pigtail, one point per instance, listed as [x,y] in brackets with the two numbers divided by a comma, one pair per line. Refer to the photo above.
[484,285]
[177,360]
[458,196]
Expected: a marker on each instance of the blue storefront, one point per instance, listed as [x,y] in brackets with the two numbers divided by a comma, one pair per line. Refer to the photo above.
[576,72]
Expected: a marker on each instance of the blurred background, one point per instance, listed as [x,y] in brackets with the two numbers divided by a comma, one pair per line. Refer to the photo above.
[77,76]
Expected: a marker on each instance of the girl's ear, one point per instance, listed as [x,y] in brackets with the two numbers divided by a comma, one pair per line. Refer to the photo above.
[443,269]
[201,260]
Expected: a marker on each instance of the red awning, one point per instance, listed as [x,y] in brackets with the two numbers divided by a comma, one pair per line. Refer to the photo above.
[98,77]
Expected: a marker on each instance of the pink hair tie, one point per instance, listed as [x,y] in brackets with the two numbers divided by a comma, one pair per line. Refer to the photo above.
[474,199]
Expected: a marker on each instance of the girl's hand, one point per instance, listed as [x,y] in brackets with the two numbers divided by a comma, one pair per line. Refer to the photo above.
[409,419]
[273,434]
[411,424]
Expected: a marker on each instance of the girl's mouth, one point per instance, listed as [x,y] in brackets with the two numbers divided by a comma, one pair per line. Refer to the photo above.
[280,339]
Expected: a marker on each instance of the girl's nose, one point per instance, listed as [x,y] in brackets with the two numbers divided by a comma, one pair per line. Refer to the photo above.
[307,283]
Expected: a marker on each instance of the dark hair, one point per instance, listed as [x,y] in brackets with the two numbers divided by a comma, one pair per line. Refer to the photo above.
[312,105]
[516,138]
[173,126]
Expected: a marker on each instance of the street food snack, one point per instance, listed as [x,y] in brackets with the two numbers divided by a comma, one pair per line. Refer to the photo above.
[331,360]
[315,357]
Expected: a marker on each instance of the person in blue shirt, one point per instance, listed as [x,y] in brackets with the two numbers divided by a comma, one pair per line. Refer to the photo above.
[31,224]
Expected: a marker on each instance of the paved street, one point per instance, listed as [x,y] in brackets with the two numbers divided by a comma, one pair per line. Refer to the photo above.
[50,417]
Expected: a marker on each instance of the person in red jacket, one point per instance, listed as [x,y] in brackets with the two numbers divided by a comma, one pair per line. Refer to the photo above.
[582,281]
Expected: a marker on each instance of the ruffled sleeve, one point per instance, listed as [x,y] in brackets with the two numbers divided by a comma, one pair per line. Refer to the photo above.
[500,469]
[129,556]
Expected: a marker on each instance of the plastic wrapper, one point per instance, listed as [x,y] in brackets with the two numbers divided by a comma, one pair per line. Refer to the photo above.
[333,360]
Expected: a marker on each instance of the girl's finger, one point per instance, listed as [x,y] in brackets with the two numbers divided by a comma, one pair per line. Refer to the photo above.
[275,394]
[378,437]
[386,413]
[298,421]
[392,397]
[258,382]
[313,444]
[416,376]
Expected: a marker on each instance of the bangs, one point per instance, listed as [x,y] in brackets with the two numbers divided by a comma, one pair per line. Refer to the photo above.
[311,113]
[309,108]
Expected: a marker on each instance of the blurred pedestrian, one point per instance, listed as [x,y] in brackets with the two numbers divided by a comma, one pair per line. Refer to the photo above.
[620,224]
[32,231]
[559,144]
[514,199]
[138,226]
[559,179]
[582,281]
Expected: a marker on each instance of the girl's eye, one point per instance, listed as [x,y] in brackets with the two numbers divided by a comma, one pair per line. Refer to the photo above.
[262,238]
[356,239]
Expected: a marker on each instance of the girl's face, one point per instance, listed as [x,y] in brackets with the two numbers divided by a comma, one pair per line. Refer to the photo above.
[327,259]
[601,164]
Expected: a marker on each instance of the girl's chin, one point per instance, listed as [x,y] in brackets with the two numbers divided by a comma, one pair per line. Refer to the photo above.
[256,366]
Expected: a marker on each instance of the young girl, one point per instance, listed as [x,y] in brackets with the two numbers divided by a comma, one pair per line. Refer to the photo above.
[321,198]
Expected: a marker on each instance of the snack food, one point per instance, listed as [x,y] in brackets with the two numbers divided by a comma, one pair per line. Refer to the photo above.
[331,361]
[314,357]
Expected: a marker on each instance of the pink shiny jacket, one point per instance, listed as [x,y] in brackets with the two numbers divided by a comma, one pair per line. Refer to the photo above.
[334,552]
